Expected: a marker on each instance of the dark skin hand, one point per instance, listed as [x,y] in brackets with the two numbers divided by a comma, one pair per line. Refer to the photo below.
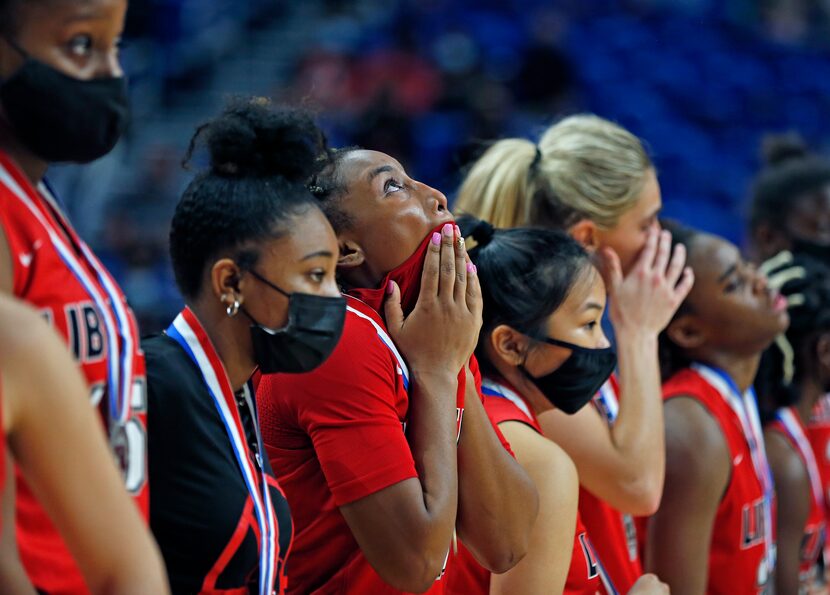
[698,465]
[792,491]
[390,215]
[409,547]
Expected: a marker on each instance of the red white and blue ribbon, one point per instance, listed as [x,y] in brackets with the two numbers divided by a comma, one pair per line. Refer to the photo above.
[607,402]
[121,342]
[745,408]
[793,426]
[188,332]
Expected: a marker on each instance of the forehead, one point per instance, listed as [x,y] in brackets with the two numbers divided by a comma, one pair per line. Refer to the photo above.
[588,285]
[357,166]
[710,255]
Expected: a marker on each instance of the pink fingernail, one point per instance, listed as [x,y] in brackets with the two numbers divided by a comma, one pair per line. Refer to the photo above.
[447,230]
[436,238]
[390,287]
[475,269]
[471,268]
[458,231]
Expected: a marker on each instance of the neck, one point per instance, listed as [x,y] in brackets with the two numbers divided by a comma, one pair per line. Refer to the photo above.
[231,338]
[809,392]
[33,167]
[525,387]
[741,369]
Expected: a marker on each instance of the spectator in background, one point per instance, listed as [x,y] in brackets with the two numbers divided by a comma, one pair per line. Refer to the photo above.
[790,204]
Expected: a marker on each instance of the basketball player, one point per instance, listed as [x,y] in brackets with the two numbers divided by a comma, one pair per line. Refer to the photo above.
[63,98]
[594,179]
[713,532]
[44,409]
[795,379]
[542,347]
[385,449]
[254,258]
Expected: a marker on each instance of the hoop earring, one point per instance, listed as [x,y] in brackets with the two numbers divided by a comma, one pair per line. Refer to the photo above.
[233,309]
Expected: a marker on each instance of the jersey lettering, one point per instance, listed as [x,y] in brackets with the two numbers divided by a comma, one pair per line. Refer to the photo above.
[752,522]
[85,331]
[129,442]
[590,557]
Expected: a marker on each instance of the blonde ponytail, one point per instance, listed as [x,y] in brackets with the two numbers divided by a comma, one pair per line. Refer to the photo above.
[588,168]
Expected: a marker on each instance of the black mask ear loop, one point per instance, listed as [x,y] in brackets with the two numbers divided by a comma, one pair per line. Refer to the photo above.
[268,283]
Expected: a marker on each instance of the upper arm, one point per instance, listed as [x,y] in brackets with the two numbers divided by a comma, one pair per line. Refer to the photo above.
[587,439]
[697,473]
[6,263]
[792,490]
[545,567]
[82,491]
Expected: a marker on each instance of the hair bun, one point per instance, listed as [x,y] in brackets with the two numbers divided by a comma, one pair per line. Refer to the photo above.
[254,138]
[478,229]
[778,148]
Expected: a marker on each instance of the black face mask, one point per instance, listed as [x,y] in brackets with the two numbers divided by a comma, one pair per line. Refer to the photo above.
[315,324]
[575,382]
[818,250]
[61,118]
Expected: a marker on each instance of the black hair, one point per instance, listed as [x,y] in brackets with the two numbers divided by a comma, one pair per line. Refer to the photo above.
[261,157]
[328,187]
[525,275]
[809,311]
[790,172]
[673,358]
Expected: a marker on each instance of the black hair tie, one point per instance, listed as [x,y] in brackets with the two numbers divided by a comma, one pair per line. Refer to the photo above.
[536,158]
[482,233]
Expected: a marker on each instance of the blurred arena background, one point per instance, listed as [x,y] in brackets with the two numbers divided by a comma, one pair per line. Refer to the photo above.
[427,81]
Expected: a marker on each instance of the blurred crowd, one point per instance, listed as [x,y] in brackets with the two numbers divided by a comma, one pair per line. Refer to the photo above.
[699,80]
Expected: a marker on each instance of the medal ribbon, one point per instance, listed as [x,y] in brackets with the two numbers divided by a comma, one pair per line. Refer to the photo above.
[121,342]
[746,409]
[795,429]
[188,332]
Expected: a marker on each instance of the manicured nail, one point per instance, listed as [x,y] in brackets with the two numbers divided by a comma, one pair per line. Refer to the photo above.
[471,268]
[458,231]
[436,238]
[447,230]
[390,287]
[475,270]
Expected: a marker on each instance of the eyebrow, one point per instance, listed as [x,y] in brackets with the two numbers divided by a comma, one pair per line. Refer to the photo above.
[592,306]
[728,272]
[379,170]
[325,253]
[87,11]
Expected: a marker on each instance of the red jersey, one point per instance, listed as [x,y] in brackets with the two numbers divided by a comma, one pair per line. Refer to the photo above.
[788,423]
[818,432]
[613,533]
[586,574]
[55,272]
[741,554]
[336,435]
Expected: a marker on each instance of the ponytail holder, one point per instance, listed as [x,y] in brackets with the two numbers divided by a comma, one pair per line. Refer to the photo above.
[482,233]
[536,158]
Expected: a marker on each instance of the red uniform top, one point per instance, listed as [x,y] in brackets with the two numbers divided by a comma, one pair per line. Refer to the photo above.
[337,434]
[818,432]
[54,271]
[613,533]
[742,545]
[586,575]
[788,423]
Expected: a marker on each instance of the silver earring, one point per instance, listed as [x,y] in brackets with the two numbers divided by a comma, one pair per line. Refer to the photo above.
[233,309]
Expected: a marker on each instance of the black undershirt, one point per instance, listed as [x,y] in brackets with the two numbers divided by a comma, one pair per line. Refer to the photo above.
[197,492]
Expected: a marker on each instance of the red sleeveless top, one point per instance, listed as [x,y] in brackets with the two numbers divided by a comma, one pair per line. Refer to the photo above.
[56,273]
[742,544]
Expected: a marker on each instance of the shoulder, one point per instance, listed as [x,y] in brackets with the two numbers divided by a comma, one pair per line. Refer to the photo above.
[169,370]
[362,359]
[784,460]
[695,443]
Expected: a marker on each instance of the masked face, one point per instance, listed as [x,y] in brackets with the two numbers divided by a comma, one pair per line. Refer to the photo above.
[315,324]
[573,384]
[62,118]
